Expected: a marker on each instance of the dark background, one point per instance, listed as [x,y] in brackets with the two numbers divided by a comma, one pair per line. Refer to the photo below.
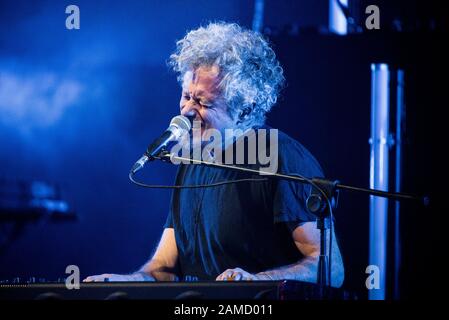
[78,107]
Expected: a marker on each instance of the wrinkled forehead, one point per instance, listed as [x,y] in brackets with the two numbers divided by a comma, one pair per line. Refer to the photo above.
[203,77]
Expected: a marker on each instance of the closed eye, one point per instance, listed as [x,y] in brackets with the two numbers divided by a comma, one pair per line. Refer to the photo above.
[208,105]
[203,104]
[187,97]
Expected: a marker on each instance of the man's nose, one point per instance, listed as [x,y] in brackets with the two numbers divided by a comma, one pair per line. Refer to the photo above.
[190,109]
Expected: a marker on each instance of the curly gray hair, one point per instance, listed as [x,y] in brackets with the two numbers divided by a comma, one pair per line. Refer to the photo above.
[251,75]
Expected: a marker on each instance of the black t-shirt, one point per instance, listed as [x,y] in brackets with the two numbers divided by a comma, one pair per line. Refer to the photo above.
[246,225]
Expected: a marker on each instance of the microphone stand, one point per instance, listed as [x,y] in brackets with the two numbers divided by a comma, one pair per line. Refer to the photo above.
[315,203]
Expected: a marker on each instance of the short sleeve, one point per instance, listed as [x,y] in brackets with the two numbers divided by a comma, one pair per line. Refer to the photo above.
[289,203]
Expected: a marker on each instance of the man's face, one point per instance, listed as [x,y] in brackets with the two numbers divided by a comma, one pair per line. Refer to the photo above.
[203,100]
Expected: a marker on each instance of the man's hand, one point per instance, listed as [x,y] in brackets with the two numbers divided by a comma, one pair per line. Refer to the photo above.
[109,277]
[238,274]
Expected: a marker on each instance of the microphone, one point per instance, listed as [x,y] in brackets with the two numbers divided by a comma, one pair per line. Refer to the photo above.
[178,126]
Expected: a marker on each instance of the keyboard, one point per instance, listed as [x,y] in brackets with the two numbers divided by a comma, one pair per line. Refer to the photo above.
[269,290]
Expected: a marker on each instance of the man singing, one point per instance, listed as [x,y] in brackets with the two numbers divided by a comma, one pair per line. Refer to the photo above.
[253,230]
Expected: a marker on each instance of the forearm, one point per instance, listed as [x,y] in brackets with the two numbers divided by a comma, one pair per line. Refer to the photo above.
[307,239]
[303,270]
[158,270]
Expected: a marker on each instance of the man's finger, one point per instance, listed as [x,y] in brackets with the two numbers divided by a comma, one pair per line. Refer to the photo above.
[220,277]
[229,276]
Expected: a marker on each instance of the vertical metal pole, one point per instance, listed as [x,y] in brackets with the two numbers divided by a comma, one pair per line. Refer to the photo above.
[380,95]
[400,114]
[337,19]
[258,15]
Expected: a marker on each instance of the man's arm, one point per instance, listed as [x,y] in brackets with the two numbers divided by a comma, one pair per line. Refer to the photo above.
[163,263]
[159,268]
[307,240]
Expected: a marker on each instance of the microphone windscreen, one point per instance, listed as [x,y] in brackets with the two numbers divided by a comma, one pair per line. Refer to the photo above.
[181,122]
